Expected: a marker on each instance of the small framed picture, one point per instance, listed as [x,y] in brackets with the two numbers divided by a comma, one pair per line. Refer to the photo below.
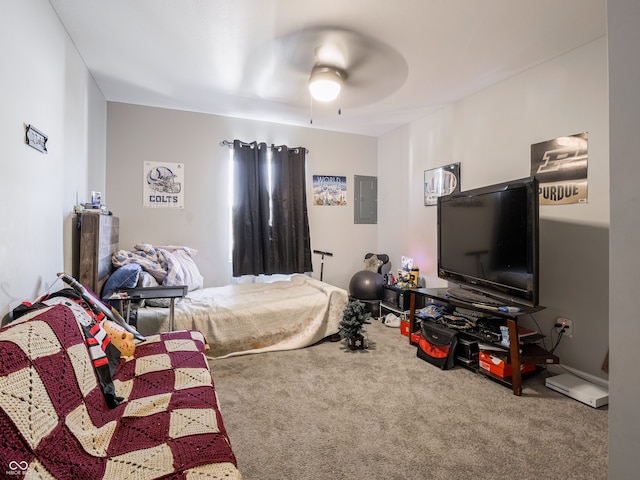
[441,181]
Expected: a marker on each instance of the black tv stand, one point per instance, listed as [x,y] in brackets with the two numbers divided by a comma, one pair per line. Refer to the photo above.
[518,354]
[472,296]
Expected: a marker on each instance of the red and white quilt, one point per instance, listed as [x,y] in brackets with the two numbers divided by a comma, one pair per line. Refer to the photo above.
[55,422]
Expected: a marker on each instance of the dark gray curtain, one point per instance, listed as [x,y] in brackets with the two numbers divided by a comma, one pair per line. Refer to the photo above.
[291,245]
[260,246]
[250,207]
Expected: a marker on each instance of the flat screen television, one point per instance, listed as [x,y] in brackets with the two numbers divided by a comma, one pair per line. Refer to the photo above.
[488,243]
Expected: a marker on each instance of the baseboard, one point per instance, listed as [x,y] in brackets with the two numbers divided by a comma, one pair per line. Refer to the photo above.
[560,369]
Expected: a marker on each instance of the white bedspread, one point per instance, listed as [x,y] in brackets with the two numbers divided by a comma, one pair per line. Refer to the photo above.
[256,317]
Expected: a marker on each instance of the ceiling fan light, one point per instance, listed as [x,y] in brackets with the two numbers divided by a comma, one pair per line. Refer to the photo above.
[325,83]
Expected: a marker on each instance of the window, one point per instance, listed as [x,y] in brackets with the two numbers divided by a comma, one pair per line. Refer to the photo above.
[270,225]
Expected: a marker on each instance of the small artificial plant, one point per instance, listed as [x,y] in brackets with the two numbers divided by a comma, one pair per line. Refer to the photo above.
[353,320]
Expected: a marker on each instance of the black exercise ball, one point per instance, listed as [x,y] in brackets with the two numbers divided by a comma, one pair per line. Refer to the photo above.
[366,285]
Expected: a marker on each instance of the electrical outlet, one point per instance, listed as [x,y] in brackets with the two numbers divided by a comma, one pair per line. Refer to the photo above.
[564,325]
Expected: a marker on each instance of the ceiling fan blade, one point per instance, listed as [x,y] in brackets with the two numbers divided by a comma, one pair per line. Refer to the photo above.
[329,46]
[372,69]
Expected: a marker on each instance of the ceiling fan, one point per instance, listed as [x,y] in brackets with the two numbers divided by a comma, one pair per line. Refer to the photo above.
[363,69]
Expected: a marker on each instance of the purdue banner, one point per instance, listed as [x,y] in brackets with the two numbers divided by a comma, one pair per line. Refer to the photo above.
[162,185]
[560,165]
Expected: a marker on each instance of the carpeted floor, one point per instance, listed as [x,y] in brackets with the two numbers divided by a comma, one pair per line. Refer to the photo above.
[325,412]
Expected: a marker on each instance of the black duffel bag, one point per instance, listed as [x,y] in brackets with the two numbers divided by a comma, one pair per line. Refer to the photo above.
[437,345]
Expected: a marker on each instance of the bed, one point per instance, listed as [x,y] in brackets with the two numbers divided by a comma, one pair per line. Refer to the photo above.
[235,319]
[254,317]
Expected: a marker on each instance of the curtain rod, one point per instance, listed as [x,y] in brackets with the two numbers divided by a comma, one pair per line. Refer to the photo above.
[227,143]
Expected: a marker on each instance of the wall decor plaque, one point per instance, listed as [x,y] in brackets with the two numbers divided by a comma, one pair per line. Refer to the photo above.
[35,138]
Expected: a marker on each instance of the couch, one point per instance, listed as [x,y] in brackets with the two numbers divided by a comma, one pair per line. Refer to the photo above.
[55,421]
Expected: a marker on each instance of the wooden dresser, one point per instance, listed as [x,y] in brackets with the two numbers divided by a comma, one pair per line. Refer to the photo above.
[98,237]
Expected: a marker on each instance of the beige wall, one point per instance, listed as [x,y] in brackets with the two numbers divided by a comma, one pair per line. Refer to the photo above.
[138,134]
[490,134]
[44,82]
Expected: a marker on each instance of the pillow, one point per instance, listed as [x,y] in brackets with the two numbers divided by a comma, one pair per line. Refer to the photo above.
[372,263]
[148,280]
[193,277]
[183,257]
[124,277]
[158,302]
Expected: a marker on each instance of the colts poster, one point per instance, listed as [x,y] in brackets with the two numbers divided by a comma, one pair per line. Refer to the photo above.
[329,190]
[163,185]
[560,165]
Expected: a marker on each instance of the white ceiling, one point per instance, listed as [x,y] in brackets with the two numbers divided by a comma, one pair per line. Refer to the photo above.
[252,58]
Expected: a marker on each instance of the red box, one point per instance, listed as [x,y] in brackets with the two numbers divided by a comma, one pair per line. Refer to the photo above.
[497,364]
[404,328]
[415,337]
